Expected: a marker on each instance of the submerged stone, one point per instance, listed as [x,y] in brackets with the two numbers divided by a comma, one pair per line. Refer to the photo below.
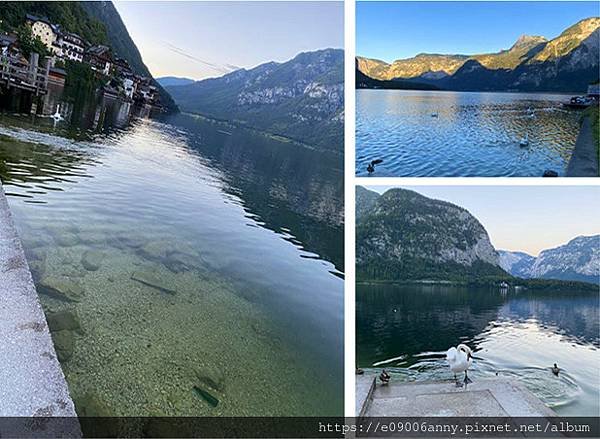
[206,396]
[149,279]
[215,380]
[61,288]
[92,260]
[64,344]
[66,239]
[154,250]
[179,262]
[61,320]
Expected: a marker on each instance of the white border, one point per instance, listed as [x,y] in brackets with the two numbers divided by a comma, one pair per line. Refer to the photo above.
[349,180]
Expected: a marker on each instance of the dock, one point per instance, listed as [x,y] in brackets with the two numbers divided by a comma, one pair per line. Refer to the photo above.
[32,381]
[493,397]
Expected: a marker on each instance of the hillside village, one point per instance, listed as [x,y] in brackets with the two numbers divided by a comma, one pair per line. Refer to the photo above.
[64,49]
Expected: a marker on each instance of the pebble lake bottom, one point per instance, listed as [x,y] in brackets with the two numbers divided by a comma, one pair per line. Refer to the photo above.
[463,134]
[176,266]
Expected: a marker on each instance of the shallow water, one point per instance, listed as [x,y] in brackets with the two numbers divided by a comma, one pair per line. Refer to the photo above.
[473,134]
[408,328]
[198,261]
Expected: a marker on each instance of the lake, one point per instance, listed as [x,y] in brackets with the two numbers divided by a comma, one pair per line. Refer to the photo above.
[408,328]
[472,134]
[186,267]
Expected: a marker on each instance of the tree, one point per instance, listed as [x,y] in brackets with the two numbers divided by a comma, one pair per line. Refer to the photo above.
[30,44]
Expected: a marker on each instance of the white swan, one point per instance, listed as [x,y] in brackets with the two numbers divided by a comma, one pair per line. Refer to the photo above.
[460,359]
[57,116]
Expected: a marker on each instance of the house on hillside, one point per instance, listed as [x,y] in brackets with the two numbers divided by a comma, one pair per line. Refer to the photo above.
[57,76]
[122,67]
[8,45]
[44,30]
[72,46]
[99,58]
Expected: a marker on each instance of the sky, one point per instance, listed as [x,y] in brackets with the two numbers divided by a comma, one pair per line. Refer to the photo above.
[524,218]
[395,30]
[207,39]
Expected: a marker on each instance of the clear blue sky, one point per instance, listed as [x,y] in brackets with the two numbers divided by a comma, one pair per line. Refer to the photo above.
[524,218]
[206,39]
[394,30]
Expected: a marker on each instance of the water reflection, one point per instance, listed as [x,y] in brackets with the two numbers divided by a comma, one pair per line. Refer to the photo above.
[473,134]
[408,329]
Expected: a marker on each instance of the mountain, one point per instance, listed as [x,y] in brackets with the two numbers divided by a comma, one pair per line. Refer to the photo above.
[568,62]
[122,45]
[166,81]
[302,99]
[363,81]
[402,235]
[578,260]
[516,263]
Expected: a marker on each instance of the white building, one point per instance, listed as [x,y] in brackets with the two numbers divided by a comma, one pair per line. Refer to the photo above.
[72,46]
[45,31]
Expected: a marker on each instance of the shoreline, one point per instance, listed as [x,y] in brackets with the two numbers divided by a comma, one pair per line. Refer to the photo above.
[35,384]
[584,160]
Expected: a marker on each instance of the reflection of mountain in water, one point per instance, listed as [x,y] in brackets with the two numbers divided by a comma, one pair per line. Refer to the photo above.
[412,319]
[577,317]
[294,191]
[288,186]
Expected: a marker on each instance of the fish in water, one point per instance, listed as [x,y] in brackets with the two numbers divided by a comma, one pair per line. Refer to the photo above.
[203,394]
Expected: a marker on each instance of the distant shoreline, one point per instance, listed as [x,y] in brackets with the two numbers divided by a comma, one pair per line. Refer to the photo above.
[528,284]
[274,136]
[565,93]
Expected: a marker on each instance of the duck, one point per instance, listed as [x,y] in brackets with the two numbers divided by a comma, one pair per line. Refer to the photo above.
[460,359]
[434,115]
[524,141]
[555,369]
[384,377]
[371,166]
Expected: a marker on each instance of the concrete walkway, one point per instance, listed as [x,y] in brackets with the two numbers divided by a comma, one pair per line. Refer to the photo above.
[584,161]
[483,398]
[31,380]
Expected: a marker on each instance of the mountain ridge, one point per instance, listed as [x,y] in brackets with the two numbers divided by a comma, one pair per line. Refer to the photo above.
[302,98]
[577,260]
[402,235]
[567,62]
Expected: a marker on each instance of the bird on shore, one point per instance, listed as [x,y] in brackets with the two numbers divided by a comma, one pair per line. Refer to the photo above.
[371,166]
[384,377]
[460,359]
[555,369]
[57,116]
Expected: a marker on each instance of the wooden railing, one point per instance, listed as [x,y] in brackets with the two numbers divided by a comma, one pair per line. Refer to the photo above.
[15,73]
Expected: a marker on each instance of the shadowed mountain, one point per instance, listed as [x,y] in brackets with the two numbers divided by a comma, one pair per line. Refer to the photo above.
[402,235]
[167,81]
